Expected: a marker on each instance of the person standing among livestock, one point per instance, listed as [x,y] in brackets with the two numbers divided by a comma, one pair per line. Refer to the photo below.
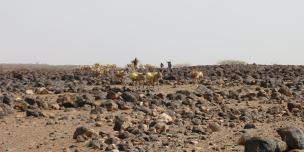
[169,66]
[162,67]
[135,63]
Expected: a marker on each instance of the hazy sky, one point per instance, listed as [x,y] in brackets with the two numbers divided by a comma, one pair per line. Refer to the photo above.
[183,31]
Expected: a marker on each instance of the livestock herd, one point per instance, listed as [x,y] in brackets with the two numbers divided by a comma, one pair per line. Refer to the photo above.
[139,75]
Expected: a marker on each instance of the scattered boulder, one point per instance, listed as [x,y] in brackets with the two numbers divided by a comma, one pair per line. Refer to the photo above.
[67,101]
[5,110]
[34,113]
[165,118]
[85,133]
[42,90]
[30,100]
[119,122]
[110,105]
[249,126]
[294,137]
[123,105]
[97,110]
[255,144]
[250,80]
[85,99]
[129,97]
[215,127]
[293,105]
[285,91]
[123,147]
[111,95]
[29,92]
[42,103]
[161,127]
[95,144]
[8,99]
[244,138]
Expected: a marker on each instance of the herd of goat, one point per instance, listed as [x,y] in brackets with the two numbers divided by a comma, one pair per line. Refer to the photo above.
[139,75]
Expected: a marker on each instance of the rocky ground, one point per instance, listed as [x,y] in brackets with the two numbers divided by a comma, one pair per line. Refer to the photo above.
[251,108]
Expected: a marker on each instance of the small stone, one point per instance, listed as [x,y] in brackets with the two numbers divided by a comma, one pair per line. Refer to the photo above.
[111,95]
[97,110]
[215,127]
[292,105]
[197,129]
[204,137]
[55,106]
[111,140]
[50,123]
[29,92]
[34,113]
[165,118]
[42,90]
[96,144]
[7,99]
[249,126]
[98,124]
[119,122]
[196,121]
[123,135]
[66,150]
[123,147]
[84,132]
[154,137]
[80,138]
[193,142]
[110,105]
[161,127]
[129,97]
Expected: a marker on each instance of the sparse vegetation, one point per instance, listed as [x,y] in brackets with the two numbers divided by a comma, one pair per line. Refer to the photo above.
[181,65]
[231,62]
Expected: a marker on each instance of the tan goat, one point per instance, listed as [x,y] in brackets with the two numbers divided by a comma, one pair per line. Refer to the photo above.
[197,76]
[120,74]
[153,77]
[137,79]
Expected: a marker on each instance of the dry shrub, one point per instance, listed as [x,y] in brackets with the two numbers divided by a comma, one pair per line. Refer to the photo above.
[181,65]
[231,62]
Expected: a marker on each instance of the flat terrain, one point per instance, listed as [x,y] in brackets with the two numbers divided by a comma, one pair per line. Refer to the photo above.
[43,114]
